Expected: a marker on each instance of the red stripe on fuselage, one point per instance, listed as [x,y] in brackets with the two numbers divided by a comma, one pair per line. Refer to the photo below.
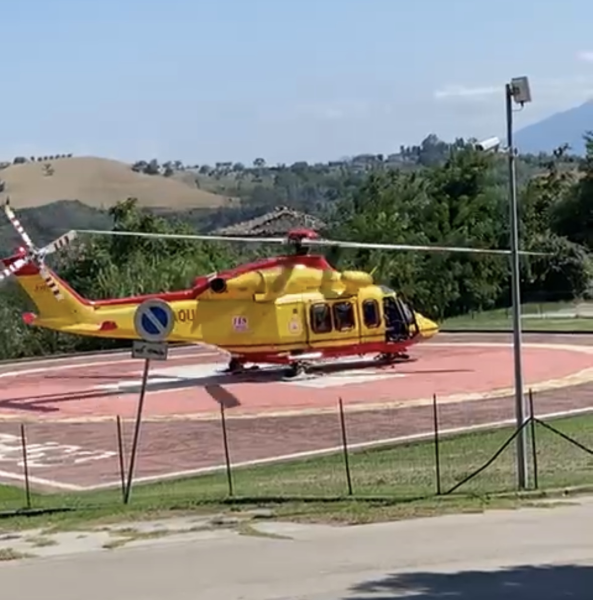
[200,283]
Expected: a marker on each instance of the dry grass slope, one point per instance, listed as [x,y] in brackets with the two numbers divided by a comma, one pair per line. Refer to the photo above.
[100,183]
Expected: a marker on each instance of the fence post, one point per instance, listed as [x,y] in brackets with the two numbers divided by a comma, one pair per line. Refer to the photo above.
[533,440]
[120,451]
[345,447]
[25,467]
[437,456]
[136,438]
[227,454]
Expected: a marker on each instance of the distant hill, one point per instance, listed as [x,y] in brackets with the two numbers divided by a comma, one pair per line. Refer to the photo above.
[45,223]
[567,127]
[99,183]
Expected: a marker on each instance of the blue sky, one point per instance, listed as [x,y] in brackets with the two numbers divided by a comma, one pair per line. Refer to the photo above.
[214,80]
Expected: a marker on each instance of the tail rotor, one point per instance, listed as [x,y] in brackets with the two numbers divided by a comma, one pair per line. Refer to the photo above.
[35,255]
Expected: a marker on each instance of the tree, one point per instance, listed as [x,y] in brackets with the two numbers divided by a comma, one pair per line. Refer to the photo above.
[152,168]
[385,209]
[572,216]
[565,274]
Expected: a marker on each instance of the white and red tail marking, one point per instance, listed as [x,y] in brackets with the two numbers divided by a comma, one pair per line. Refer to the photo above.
[59,244]
[51,283]
[17,225]
[12,269]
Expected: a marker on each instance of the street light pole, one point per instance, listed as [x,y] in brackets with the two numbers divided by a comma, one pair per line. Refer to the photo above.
[518,91]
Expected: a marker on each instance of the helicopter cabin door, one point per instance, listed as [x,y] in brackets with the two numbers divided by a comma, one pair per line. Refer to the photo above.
[399,319]
[371,320]
[332,323]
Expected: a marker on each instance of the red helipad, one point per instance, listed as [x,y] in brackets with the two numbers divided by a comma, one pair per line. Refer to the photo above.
[192,383]
[70,405]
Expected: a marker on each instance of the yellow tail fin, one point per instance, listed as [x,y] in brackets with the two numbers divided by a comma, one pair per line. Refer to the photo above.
[53,312]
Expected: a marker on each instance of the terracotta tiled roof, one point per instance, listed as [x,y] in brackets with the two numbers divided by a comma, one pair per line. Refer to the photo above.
[278,222]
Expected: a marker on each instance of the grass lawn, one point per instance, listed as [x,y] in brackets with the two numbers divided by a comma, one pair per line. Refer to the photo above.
[536,317]
[397,481]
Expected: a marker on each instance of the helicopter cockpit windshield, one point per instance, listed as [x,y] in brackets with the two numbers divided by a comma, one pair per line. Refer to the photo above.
[399,317]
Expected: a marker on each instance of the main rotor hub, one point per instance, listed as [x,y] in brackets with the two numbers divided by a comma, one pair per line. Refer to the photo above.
[31,254]
[295,237]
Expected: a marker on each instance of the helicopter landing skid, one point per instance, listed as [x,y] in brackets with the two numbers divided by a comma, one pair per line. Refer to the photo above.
[390,358]
[236,367]
[298,370]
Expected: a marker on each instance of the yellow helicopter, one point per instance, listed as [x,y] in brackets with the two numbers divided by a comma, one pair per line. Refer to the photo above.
[294,309]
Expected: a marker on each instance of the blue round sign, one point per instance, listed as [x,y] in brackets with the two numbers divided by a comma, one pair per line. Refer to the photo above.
[154,320]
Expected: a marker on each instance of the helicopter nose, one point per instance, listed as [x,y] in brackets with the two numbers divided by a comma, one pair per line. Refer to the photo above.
[426,327]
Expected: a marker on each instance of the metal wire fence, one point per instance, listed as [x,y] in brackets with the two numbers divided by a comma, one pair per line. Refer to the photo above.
[337,455]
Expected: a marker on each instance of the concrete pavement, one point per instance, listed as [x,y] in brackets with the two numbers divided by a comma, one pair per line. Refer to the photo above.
[530,554]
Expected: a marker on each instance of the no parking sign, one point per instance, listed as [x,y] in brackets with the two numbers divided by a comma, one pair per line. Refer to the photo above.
[154,320]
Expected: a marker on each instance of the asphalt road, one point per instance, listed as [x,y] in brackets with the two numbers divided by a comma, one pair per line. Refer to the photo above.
[532,554]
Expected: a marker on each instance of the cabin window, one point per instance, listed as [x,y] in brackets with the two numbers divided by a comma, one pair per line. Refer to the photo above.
[370,312]
[321,318]
[344,316]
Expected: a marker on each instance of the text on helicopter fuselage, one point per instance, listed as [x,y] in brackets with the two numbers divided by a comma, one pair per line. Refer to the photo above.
[185,315]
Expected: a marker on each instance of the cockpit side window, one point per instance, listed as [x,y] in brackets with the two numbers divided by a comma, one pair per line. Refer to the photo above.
[406,312]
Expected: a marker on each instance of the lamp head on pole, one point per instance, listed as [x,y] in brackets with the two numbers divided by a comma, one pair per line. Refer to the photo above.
[520,90]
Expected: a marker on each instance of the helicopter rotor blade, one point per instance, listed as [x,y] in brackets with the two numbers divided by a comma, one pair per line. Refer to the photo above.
[371,246]
[59,243]
[17,225]
[309,242]
[13,268]
[185,236]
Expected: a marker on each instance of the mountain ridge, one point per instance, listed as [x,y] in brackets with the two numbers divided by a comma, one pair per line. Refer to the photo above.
[563,127]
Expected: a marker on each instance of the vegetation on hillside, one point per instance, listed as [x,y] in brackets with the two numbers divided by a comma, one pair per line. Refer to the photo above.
[436,194]
[309,186]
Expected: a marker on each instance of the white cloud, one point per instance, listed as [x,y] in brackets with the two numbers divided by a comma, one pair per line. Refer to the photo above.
[550,91]
[585,55]
[462,91]
[335,110]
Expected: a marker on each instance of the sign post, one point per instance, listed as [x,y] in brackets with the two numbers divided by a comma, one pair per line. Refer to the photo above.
[153,321]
